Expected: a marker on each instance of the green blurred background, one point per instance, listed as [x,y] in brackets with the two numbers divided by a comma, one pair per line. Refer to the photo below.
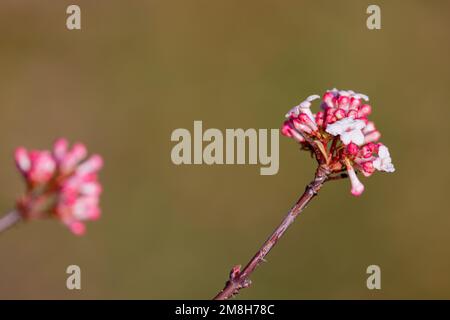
[140,69]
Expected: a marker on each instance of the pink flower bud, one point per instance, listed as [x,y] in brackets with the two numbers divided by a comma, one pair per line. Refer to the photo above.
[352,114]
[367,168]
[343,102]
[290,132]
[320,117]
[304,118]
[330,119]
[372,147]
[339,114]
[77,228]
[42,167]
[364,111]
[372,136]
[366,151]
[352,149]
[301,127]
[286,129]
[60,149]
[355,102]
[328,98]
[92,188]
[86,208]
[92,165]
[334,102]
[79,151]
[297,136]
[23,161]
[73,157]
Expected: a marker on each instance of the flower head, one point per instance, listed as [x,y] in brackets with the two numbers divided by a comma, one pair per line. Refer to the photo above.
[348,129]
[60,184]
[340,135]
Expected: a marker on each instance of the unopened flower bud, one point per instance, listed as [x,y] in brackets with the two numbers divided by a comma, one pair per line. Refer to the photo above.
[343,102]
[339,113]
[301,127]
[364,111]
[307,121]
[352,149]
[367,168]
[372,136]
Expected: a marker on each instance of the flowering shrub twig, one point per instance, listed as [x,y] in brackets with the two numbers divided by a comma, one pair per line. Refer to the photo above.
[343,141]
[60,184]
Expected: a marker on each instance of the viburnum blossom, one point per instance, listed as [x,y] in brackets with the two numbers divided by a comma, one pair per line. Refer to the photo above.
[343,141]
[340,135]
[60,184]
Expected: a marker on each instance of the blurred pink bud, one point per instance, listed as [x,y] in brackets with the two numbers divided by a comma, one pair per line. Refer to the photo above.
[22,160]
[60,149]
[77,228]
[42,166]
[60,184]
[92,165]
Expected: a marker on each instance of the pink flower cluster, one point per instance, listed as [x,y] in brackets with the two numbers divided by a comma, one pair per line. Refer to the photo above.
[340,135]
[60,184]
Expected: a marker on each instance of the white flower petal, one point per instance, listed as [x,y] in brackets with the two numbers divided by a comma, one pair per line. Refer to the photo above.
[313,97]
[358,124]
[377,164]
[355,136]
[383,162]
[343,125]
[383,152]
[346,137]
[362,95]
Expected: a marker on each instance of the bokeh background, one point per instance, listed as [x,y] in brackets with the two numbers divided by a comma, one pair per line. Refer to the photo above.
[140,69]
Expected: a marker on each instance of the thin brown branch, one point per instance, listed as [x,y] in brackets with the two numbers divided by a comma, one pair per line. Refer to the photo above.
[9,220]
[339,176]
[240,279]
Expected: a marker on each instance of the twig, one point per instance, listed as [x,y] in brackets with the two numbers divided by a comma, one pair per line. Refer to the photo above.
[240,279]
[9,220]
[339,176]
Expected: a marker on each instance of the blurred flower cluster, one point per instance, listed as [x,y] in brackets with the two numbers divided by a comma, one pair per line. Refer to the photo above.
[61,183]
[340,135]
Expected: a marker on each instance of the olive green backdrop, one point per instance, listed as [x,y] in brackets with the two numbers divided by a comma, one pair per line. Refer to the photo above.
[140,69]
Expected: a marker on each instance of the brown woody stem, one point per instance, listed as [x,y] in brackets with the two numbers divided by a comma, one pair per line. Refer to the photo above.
[9,220]
[240,279]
